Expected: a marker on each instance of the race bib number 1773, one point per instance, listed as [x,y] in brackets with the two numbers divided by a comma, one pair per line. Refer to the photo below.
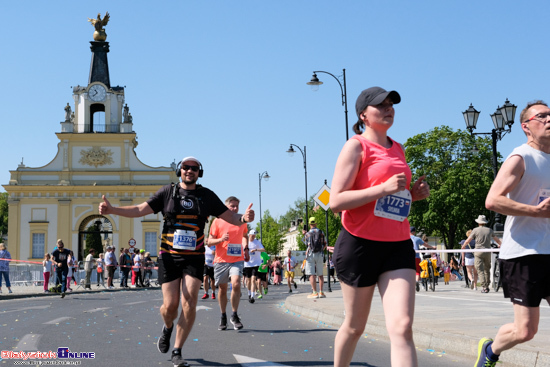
[396,206]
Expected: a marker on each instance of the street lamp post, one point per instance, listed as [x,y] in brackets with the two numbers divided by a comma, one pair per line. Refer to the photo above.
[266,177]
[291,151]
[503,119]
[315,83]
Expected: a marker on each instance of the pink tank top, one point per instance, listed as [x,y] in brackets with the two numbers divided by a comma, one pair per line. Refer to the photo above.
[377,166]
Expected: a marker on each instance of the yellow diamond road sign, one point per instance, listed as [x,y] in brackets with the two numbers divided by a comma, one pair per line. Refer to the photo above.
[322,197]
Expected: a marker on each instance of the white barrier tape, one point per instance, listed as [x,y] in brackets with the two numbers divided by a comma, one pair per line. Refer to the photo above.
[460,250]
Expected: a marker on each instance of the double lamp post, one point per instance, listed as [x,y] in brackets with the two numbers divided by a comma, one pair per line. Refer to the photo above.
[503,119]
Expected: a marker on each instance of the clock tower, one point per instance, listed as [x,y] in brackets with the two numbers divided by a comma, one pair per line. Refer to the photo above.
[96,156]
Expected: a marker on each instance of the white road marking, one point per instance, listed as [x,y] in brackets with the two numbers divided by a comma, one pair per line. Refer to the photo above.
[28,308]
[97,309]
[133,303]
[253,362]
[57,321]
[203,308]
[28,343]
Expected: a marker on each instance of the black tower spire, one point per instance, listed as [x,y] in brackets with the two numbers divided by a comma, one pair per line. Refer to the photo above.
[99,67]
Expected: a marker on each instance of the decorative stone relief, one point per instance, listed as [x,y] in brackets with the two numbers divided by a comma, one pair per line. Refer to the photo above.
[96,156]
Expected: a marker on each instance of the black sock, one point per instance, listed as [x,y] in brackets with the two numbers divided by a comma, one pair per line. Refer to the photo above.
[234,314]
[177,351]
[224,315]
[169,330]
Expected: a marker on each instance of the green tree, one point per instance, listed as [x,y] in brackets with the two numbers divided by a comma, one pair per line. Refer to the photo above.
[272,234]
[4,212]
[93,239]
[459,181]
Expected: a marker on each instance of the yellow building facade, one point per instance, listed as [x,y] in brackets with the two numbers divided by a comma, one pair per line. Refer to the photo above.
[96,156]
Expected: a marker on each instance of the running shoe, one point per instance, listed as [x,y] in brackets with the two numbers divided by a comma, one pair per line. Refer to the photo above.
[322,295]
[265,291]
[295,286]
[213,295]
[289,290]
[63,295]
[237,325]
[260,296]
[417,286]
[251,299]
[178,360]
[223,323]
[163,344]
[313,295]
[10,291]
[482,358]
[205,296]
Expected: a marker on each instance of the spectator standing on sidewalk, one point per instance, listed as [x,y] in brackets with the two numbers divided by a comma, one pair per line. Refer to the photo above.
[88,268]
[100,270]
[5,267]
[521,191]
[110,264]
[370,187]
[125,263]
[316,246]
[47,270]
[468,261]
[483,235]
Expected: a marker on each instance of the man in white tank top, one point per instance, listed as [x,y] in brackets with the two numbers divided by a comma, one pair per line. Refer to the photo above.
[522,192]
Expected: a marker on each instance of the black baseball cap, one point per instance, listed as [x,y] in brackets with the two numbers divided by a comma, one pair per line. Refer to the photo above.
[374,96]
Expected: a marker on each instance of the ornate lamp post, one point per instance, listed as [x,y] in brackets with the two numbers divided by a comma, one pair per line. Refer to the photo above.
[503,119]
[315,83]
[266,177]
[291,151]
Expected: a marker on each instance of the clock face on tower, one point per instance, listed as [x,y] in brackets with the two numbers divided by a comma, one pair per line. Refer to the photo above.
[97,93]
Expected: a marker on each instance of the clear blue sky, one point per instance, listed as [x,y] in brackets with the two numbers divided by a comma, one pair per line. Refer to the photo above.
[225,80]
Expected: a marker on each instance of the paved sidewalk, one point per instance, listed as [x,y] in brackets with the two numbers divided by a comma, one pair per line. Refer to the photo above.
[451,319]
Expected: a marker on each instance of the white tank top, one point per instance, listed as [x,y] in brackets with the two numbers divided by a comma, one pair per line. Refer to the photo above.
[528,235]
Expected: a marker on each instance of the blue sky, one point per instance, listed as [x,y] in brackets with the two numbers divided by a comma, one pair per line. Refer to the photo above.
[225,80]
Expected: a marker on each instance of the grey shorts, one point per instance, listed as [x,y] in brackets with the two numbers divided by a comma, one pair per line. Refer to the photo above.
[314,264]
[224,271]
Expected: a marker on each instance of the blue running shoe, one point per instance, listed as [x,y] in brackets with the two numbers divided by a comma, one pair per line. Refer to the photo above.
[482,358]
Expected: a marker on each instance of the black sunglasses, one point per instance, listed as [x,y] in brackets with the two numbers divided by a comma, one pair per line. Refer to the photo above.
[192,168]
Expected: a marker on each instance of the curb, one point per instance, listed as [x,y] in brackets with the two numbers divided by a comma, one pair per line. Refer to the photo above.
[459,344]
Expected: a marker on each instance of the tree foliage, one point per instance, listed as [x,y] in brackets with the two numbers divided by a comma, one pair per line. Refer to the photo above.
[93,239]
[272,239]
[459,181]
[4,211]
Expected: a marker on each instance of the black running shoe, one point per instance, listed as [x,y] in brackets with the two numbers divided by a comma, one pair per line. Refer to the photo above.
[223,323]
[295,286]
[178,360]
[250,299]
[237,325]
[163,344]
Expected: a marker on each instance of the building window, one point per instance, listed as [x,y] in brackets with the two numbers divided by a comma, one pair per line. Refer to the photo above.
[151,243]
[38,240]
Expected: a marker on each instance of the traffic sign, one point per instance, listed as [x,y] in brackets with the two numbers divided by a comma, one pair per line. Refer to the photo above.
[322,197]
[132,243]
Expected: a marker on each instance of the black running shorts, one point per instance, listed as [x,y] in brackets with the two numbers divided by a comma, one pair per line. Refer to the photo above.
[526,279]
[359,262]
[173,266]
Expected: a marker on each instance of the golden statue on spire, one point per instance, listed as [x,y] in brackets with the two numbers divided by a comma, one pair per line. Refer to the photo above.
[99,34]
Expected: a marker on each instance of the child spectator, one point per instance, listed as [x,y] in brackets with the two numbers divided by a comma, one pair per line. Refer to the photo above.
[446,272]
[47,269]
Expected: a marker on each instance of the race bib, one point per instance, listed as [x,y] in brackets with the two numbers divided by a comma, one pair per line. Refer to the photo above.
[543,195]
[184,240]
[396,206]
[234,249]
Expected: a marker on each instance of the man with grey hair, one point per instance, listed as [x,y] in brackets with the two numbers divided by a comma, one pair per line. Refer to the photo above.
[521,191]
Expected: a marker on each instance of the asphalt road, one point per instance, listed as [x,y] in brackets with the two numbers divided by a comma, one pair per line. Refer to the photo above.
[122,328]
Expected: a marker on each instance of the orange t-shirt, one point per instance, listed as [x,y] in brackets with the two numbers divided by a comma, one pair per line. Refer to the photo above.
[223,250]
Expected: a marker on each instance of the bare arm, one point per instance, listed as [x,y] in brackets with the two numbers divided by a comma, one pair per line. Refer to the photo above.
[508,177]
[342,196]
[131,211]
[235,218]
